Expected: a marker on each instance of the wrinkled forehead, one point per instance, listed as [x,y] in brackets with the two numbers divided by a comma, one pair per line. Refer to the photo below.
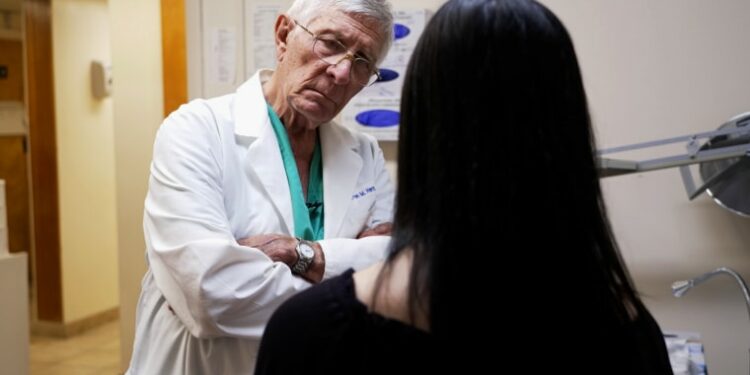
[356,31]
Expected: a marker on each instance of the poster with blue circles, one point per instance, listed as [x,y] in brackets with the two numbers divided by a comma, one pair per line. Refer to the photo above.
[375,110]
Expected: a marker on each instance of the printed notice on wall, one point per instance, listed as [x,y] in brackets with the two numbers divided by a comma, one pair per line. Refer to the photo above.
[223,56]
[261,35]
[375,110]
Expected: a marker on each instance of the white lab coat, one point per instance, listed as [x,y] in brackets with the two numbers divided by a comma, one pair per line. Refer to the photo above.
[217,176]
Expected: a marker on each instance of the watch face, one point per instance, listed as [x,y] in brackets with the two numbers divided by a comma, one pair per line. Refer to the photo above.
[306,250]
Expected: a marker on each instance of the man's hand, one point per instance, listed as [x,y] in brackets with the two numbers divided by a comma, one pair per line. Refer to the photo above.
[382,229]
[278,247]
[282,248]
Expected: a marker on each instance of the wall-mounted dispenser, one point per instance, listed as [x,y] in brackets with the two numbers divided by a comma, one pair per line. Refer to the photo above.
[101,79]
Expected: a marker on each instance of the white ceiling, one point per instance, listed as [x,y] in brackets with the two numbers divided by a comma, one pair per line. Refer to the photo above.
[13,5]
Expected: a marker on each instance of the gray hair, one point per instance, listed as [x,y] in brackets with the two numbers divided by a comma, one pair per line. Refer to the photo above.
[379,10]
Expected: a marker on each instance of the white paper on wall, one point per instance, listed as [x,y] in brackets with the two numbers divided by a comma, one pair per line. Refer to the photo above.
[375,110]
[261,33]
[223,68]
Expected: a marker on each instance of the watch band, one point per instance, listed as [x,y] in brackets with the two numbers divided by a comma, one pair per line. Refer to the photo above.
[304,257]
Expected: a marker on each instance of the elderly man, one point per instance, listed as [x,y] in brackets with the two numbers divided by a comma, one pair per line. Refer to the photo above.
[255,195]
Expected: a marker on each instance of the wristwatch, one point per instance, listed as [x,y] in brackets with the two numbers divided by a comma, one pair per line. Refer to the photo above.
[305,255]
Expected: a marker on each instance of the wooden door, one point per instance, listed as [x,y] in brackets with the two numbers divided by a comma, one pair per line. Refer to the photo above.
[43,158]
[11,70]
[14,171]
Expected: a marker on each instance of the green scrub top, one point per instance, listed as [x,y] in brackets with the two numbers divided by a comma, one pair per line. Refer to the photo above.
[308,214]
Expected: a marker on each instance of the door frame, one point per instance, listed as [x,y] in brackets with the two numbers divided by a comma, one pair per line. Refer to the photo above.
[40,107]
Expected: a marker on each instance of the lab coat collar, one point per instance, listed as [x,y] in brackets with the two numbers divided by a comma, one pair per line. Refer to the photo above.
[250,108]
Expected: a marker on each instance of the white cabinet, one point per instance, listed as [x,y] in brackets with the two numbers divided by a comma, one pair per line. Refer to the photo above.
[14,314]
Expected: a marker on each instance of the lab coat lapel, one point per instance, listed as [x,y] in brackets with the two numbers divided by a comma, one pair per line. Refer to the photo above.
[264,158]
[263,155]
[341,168]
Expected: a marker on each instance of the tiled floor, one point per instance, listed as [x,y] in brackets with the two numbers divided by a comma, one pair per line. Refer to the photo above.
[93,352]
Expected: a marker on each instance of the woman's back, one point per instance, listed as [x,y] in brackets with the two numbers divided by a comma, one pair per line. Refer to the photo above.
[327,330]
[333,329]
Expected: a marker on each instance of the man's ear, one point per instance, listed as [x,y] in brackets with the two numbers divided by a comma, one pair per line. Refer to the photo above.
[284,26]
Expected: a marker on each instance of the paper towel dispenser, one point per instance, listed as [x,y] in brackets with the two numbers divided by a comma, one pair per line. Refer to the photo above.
[101,79]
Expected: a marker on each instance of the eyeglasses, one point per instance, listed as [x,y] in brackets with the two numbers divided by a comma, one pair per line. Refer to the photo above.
[332,52]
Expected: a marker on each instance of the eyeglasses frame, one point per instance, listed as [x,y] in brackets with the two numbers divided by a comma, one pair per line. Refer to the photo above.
[348,56]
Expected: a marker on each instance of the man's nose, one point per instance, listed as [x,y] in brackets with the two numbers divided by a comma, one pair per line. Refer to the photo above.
[342,70]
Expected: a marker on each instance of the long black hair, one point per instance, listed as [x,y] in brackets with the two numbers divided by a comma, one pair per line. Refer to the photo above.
[498,195]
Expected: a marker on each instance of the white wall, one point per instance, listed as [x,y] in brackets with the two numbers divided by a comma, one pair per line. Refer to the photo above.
[138,89]
[80,33]
[657,69]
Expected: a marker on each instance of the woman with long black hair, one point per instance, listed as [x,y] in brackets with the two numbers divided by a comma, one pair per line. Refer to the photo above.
[498,204]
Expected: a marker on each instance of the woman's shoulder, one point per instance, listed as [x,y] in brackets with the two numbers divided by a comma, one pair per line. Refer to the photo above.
[389,297]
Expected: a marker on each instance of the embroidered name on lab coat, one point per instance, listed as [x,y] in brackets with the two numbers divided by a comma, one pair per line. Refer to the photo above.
[362,193]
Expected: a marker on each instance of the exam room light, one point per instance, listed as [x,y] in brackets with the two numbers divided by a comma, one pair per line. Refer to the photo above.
[722,155]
